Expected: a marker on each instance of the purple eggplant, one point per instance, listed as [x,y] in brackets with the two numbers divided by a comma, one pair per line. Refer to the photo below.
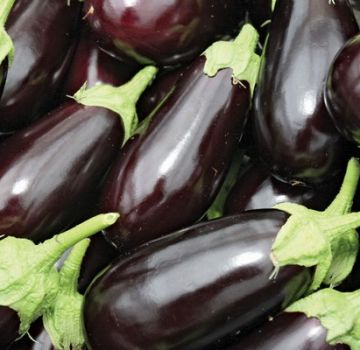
[292,129]
[93,66]
[43,33]
[159,31]
[342,90]
[178,153]
[49,170]
[188,289]
[193,287]
[9,325]
[257,189]
[290,331]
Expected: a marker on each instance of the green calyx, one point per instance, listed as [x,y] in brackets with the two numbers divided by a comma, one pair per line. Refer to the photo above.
[121,100]
[338,312]
[325,240]
[239,55]
[28,279]
[6,44]
[63,319]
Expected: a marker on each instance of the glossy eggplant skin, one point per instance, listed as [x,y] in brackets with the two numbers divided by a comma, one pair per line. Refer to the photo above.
[93,66]
[9,325]
[179,156]
[43,33]
[290,331]
[160,31]
[292,129]
[192,287]
[157,92]
[48,170]
[342,90]
[257,189]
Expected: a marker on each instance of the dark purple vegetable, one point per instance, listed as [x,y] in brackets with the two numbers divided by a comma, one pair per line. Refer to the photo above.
[188,289]
[43,33]
[159,31]
[91,65]
[293,131]
[198,285]
[257,189]
[49,170]
[342,90]
[290,331]
[179,153]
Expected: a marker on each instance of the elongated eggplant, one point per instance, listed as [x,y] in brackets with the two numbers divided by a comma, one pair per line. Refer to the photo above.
[290,331]
[43,33]
[342,90]
[195,286]
[161,32]
[9,325]
[257,189]
[190,288]
[178,153]
[49,170]
[293,131]
[93,66]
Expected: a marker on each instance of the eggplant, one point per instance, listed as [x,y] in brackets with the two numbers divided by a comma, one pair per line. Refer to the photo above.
[92,66]
[31,284]
[341,92]
[257,189]
[3,74]
[49,170]
[292,129]
[188,289]
[43,33]
[161,32]
[195,286]
[178,153]
[290,331]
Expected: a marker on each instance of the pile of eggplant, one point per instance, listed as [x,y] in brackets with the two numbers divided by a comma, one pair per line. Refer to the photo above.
[179,175]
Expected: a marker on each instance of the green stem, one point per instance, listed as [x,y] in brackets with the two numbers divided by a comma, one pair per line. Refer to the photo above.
[5,8]
[121,100]
[238,55]
[53,248]
[337,224]
[343,201]
[70,271]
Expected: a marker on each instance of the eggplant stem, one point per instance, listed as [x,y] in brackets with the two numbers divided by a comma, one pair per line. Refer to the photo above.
[57,245]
